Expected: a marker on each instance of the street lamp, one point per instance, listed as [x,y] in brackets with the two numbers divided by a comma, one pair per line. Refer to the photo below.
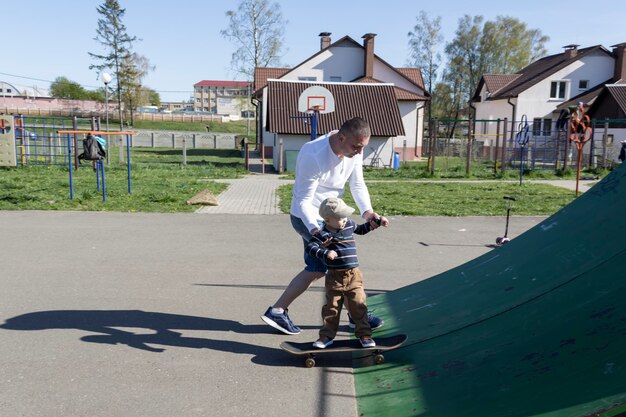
[106,79]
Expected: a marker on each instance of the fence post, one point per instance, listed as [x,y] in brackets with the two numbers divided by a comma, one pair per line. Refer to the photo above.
[495,165]
[215,142]
[566,157]
[469,147]
[404,153]
[193,140]
[173,141]
[604,143]
[280,155]
[432,144]
[152,139]
[505,131]
[184,150]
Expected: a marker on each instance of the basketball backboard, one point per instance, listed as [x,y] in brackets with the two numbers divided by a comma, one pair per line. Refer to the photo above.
[316,98]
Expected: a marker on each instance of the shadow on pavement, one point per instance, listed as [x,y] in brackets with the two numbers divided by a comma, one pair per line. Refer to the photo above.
[111,327]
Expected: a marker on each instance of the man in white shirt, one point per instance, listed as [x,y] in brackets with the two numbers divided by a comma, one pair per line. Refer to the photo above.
[323,167]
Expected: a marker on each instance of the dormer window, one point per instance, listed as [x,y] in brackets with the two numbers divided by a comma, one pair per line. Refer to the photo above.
[583,84]
[557,89]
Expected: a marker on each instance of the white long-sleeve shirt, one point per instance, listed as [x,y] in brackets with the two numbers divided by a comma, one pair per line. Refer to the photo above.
[321,174]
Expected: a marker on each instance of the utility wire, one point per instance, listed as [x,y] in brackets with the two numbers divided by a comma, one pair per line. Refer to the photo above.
[89,86]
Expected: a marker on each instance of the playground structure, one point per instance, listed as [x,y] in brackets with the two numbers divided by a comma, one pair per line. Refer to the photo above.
[502,144]
[98,164]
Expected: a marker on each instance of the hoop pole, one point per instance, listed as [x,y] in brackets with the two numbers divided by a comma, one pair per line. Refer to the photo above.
[69,158]
[97,176]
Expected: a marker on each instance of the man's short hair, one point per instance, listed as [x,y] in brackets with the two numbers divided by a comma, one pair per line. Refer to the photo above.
[356,127]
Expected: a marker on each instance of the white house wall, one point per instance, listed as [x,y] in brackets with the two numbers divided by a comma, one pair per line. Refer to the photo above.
[535,102]
[383,73]
[336,61]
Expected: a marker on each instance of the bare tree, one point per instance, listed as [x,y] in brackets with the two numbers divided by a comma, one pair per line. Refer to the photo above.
[257,30]
[423,49]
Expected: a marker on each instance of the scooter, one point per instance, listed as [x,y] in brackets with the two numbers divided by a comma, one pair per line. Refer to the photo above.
[509,204]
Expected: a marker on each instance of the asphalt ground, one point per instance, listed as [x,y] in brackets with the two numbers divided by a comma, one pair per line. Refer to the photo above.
[119,314]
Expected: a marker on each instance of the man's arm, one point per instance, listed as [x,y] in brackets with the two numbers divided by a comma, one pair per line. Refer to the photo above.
[361,195]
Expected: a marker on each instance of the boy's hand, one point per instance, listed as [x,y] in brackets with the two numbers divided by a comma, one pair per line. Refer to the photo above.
[331,255]
[324,238]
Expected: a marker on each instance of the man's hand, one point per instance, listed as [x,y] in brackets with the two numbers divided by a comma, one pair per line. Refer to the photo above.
[331,255]
[375,220]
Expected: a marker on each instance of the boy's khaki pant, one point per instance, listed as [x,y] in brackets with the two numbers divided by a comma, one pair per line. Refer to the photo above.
[346,283]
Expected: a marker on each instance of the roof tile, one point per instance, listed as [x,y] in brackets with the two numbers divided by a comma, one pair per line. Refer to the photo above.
[375,103]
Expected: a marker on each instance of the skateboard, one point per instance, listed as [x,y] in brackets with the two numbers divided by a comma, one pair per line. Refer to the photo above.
[348,345]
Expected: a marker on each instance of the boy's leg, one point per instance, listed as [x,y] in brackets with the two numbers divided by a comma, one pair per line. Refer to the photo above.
[357,307]
[334,302]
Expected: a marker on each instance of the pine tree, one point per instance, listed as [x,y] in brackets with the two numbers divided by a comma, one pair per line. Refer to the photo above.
[112,35]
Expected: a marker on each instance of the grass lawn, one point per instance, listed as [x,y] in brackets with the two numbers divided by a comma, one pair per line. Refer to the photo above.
[412,198]
[159,182]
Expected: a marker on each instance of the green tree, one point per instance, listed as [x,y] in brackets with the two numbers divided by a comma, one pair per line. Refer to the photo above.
[502,46]
[62,87]
[424,42]
[257,30]
[133,69]
[111,34]
[507,45]
[154,98]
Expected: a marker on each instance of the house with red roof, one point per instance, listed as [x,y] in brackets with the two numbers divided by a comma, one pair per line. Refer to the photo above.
[545,90]
[362,85]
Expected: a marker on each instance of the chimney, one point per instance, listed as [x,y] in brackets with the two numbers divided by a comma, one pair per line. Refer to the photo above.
[324,40]
[620,62]
[571,51]
[368,44]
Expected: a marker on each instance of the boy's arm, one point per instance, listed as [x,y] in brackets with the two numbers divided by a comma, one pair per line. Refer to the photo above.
[314,247]
[362,229]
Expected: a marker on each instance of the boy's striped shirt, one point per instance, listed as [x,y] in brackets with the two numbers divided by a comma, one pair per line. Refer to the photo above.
[342,242]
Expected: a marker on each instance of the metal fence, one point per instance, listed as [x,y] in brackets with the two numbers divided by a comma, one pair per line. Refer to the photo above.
[38,143]
[461,145]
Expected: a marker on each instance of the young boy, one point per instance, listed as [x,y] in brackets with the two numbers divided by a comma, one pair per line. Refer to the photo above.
[335,243]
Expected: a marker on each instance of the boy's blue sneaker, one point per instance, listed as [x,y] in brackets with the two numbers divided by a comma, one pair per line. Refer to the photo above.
[375,322]
[280,322]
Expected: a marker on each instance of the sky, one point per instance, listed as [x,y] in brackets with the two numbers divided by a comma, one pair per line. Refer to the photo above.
[45,39]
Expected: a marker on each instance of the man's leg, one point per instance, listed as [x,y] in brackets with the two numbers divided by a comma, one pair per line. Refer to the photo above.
[276,315]
[299,284]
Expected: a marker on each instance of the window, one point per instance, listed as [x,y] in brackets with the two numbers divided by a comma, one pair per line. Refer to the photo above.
[542,127]
[609,139]
[536,127]
[583,84]
[547,127]
[335,79]
[198,90]
[307,78]
[557,89]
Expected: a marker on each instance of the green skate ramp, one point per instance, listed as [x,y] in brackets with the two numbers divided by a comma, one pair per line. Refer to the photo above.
[534,328]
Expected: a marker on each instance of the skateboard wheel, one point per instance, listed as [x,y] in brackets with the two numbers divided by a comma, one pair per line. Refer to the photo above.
[379,359]
[309,362]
